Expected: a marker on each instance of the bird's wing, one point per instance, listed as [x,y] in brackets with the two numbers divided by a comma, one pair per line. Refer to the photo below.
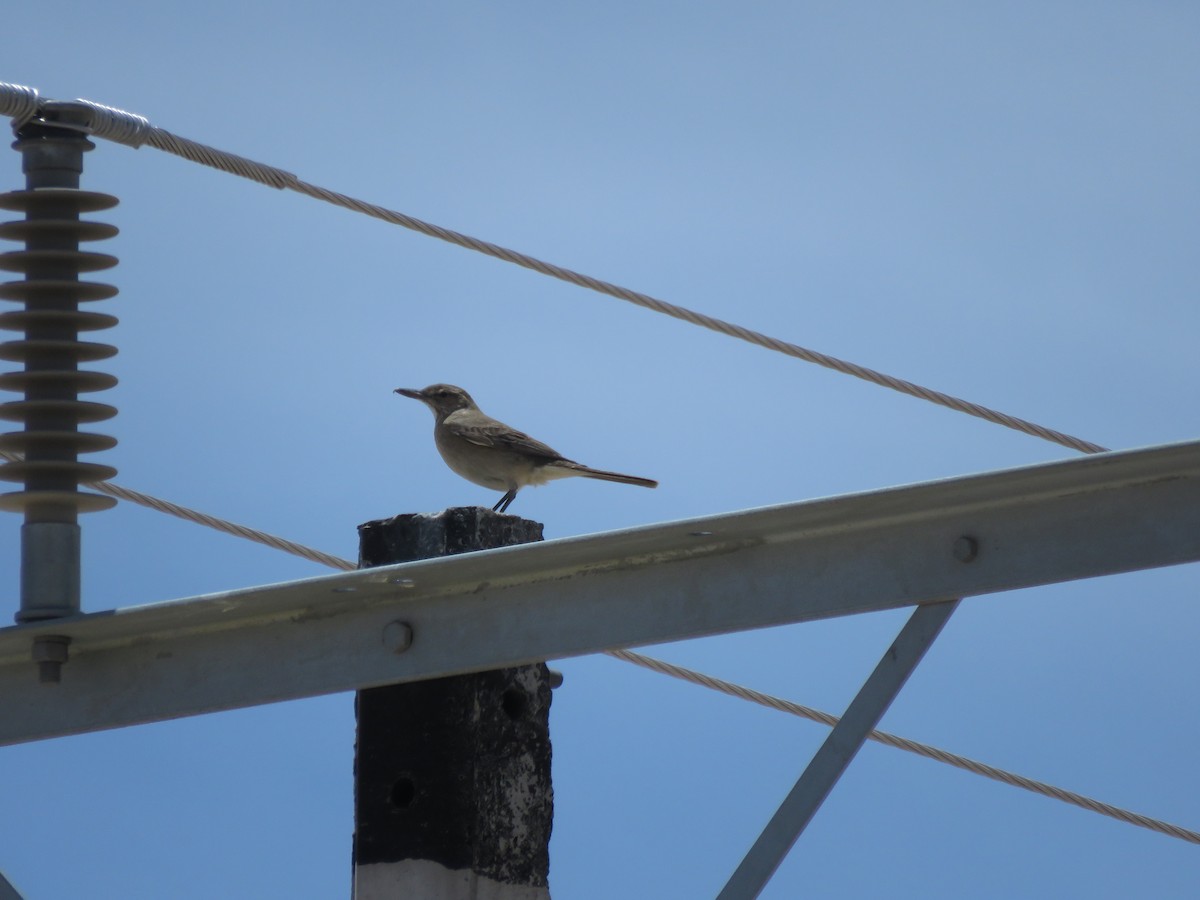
[502,437]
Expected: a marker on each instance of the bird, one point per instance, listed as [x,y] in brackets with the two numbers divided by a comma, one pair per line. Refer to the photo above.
[489,453]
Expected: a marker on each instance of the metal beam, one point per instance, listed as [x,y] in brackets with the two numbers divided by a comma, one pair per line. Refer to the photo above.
[1103,514]
[7,891]
[840,747]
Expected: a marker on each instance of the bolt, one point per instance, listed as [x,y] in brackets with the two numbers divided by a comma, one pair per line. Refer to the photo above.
[966,548]
[50,653]
[397,636]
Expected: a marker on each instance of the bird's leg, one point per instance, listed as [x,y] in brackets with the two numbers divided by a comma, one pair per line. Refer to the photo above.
[503,503]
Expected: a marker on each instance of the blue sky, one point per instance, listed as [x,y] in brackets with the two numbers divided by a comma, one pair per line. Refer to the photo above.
[996,201]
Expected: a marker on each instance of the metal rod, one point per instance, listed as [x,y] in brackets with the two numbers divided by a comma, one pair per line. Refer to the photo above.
[840,747]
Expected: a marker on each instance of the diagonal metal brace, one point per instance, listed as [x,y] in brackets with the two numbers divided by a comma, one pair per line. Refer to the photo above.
[7,891]
[840,747]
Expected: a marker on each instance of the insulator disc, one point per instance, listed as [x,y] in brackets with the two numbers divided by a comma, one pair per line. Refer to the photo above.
[43,229]
[66,410]
[48,379]
[59,441]
[52,289]
[29,319]
[77,260]
[65,470]
[57,198]
[81,351]
[53,501]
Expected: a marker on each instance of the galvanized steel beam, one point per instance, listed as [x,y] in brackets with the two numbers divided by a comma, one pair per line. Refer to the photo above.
[1103,514]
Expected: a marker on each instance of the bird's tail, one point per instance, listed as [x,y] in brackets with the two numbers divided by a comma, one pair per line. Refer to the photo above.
[600,474]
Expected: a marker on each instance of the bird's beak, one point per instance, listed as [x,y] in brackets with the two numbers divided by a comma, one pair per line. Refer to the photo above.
[409,392]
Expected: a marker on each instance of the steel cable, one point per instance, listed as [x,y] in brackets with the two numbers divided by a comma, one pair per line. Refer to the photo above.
[136,131]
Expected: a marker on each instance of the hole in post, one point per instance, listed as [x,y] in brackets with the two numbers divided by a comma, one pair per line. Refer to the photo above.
[404,791]
[515,703]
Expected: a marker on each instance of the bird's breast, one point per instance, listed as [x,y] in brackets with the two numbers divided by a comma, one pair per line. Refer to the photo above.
[491,467]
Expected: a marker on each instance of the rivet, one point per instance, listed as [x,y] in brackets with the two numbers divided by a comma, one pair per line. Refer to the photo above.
[397,636]
[966,548]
